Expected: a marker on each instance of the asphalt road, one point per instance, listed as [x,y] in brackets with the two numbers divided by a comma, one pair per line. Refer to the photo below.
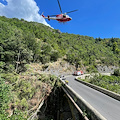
[105,105]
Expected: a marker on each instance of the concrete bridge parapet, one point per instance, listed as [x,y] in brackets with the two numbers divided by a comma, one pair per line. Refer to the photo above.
[85,106]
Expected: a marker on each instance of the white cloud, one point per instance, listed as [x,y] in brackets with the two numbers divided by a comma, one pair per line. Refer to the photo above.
[26,9]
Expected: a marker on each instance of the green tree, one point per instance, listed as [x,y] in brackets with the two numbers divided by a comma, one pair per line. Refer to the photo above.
[117,72]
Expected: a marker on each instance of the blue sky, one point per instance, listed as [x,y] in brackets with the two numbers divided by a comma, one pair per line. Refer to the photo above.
[95,18]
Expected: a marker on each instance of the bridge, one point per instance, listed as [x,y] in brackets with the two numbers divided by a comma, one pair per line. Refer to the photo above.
[96,104]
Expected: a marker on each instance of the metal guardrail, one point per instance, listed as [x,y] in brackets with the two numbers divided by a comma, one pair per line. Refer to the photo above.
[107,92]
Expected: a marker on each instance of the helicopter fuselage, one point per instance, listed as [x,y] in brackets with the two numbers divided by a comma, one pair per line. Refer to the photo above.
[60,18]
[63,18]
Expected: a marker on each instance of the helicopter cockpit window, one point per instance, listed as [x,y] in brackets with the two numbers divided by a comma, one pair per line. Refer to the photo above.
[64,16]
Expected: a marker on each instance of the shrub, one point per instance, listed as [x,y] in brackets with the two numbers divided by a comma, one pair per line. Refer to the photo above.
[24,104]
[4,98]
[117,72]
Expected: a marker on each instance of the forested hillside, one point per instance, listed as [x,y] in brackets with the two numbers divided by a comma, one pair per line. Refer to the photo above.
[23,42]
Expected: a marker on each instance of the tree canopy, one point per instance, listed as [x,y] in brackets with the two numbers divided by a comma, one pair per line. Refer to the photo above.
[22,42]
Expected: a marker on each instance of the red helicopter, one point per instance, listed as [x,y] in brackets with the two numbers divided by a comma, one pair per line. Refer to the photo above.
[61,17]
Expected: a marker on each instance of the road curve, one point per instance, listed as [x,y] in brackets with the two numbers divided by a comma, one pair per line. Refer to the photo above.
[105,105]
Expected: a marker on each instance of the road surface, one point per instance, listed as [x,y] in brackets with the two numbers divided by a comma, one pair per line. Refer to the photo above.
[105,105]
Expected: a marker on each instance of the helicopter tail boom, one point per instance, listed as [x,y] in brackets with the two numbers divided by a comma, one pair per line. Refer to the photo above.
[48,17]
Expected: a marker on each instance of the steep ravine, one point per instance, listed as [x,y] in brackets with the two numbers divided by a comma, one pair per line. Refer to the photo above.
[58,107]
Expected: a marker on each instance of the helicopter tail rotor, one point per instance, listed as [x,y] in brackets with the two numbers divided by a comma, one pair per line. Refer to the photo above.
[42,13]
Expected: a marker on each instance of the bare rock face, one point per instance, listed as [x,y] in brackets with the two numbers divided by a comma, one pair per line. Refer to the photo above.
[106,69]
[58,31]
[60,68]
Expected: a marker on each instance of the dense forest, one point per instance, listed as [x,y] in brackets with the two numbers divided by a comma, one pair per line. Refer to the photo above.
[23,42]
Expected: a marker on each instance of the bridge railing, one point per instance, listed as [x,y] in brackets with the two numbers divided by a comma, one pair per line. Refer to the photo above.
[85,106]
[107,92]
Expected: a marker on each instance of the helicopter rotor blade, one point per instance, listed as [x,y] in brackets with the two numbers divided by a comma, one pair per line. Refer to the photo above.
[71,11]
[59,6]
[52,15]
